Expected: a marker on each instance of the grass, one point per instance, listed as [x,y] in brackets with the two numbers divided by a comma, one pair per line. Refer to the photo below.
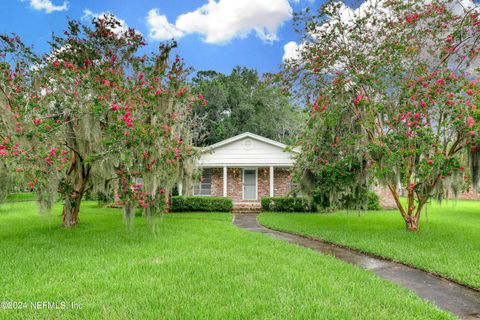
[26,196]
[448,242]
[189,266]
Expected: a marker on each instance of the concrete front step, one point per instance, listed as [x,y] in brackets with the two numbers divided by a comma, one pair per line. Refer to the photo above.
[246,208]
[245,212]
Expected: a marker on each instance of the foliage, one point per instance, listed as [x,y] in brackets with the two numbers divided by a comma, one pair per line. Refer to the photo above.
[324,200]
[241,102]
[373,201]
[92,113]
[448,240]
[392,97]
[200,204]
[287,204]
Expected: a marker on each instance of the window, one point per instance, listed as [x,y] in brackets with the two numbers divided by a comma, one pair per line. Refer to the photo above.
[204,186]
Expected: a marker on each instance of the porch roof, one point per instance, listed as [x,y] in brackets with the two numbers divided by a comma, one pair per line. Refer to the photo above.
[247,150]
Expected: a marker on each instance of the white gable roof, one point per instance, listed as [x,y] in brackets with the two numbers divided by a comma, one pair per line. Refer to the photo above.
[247,149]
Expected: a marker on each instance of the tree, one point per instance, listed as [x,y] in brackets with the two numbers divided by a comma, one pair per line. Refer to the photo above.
[92,111]
[242,102]
[393,94]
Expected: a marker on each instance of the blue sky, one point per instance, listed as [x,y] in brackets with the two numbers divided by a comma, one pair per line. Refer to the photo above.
[212,34]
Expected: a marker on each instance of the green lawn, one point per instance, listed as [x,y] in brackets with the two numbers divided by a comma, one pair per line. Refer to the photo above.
[448,242]
[193,266]
[15,197]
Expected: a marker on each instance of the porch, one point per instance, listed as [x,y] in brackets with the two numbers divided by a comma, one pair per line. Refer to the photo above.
[245,186]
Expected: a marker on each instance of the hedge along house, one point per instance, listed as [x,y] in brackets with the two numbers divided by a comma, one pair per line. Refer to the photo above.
[245,168]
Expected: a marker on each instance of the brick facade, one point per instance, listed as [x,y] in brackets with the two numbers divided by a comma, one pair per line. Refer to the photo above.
[217,182]
[281,183]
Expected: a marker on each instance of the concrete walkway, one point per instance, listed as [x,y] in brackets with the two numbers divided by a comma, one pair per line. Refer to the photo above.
[447,295]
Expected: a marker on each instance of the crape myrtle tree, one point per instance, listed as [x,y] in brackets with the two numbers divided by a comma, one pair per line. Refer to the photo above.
[394,98]
[93,111]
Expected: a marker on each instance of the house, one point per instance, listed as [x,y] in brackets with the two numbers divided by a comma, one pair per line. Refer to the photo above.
[245,168]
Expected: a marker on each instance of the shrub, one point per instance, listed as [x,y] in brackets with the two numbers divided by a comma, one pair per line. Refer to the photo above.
[202,204]
[373,201]
[360,200]
[287,204]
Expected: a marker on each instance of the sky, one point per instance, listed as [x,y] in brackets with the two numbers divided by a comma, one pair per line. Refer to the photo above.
[212,34]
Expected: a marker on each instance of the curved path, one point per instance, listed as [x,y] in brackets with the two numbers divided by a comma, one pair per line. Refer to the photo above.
[447,295]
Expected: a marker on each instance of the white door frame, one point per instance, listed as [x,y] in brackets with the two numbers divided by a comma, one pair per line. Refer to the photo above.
[256,183]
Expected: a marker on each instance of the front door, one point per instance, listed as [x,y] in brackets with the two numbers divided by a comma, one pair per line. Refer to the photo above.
[249,184]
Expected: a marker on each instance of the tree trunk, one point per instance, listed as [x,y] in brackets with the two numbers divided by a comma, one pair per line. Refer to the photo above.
[73,199]
[412,224]
[411,216]
[71,208]
[75,181]
[128,214]
[73,192]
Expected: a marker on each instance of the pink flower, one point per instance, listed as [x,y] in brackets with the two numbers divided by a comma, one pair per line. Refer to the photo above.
[469,92]
[416,115]
[115,107]
[357,100]
[177,153]
[37,121]
[411,186]
[470,122]
[430,162]
[462,168]
[53,151]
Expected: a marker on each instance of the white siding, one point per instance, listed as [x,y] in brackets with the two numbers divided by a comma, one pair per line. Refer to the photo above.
[246,152]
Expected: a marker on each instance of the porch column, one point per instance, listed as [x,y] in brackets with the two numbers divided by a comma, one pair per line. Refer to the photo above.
[224,181]
[271,181]
[180,188]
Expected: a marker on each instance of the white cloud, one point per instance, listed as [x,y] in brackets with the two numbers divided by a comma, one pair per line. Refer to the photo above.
[290,51]
[48,6]
[220,21]
[160,28]
[88,14]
